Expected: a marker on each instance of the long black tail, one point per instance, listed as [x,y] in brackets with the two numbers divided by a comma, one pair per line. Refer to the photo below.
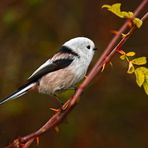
[19,92]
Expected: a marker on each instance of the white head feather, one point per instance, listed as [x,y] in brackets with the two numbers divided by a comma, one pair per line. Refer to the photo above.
[83,46]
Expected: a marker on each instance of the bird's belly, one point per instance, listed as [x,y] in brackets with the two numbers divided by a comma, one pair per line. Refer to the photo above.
[56,81]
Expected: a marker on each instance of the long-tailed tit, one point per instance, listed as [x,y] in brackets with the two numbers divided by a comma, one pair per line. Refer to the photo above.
[66,68]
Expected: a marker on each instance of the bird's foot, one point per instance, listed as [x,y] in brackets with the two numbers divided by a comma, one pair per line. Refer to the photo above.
[58,100]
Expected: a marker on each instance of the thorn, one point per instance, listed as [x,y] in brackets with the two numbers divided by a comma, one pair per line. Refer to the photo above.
[64,107]
[125,35]
[55,109]
[37,140]
[129,24]
[111,64]
[22,145]
[57,98]
[115,32]
[43,130]
[85,76]
[17,143]
[57,129]
[121,52]
[103,67]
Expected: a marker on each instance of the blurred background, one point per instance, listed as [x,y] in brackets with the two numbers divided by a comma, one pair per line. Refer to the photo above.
[112,112]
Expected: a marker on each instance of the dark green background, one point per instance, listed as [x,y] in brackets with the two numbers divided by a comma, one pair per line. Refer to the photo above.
[112,112]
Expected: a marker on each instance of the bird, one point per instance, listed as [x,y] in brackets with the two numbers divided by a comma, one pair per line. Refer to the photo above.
[63,71]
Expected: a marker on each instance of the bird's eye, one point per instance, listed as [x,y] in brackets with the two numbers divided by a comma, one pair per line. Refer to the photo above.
[88,47]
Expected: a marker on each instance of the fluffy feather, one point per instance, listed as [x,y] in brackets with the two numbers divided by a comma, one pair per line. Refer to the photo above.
[62,71]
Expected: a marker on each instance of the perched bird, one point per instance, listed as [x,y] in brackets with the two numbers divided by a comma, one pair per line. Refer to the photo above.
[61,72]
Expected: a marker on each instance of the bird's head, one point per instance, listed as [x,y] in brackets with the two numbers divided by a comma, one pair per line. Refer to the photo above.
[82,46]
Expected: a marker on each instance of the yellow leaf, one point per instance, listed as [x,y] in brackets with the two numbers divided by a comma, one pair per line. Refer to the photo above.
[144,69]
[145,86]
[137,22]
[130,54]
[145,72]
[106,6]
[131,68]
[139,61]
[128,14]
[139,77]
[115,9]
[122,57]
[146,78]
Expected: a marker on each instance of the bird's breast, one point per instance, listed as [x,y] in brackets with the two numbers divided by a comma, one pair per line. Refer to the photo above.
[56,81]
[63,79]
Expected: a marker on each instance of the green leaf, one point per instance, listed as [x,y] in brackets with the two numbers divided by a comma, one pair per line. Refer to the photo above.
[137,22]
[131,68]
[145,86]
[139,61]
[139,77]
[130,54]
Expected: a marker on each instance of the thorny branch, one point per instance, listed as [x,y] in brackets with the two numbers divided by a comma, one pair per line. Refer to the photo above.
[58,117]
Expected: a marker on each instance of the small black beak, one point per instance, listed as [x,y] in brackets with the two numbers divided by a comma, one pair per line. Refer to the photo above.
[95,49]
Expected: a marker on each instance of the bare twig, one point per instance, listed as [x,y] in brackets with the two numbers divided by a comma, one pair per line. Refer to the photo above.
[68,106]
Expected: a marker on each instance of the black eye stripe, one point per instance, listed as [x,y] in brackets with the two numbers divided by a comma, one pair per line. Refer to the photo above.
[88,47]
[65,49]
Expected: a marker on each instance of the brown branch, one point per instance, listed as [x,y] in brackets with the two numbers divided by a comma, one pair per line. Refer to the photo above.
[69,105]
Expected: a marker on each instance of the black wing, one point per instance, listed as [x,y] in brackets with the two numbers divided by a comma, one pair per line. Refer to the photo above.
[47,67]
[51,67]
